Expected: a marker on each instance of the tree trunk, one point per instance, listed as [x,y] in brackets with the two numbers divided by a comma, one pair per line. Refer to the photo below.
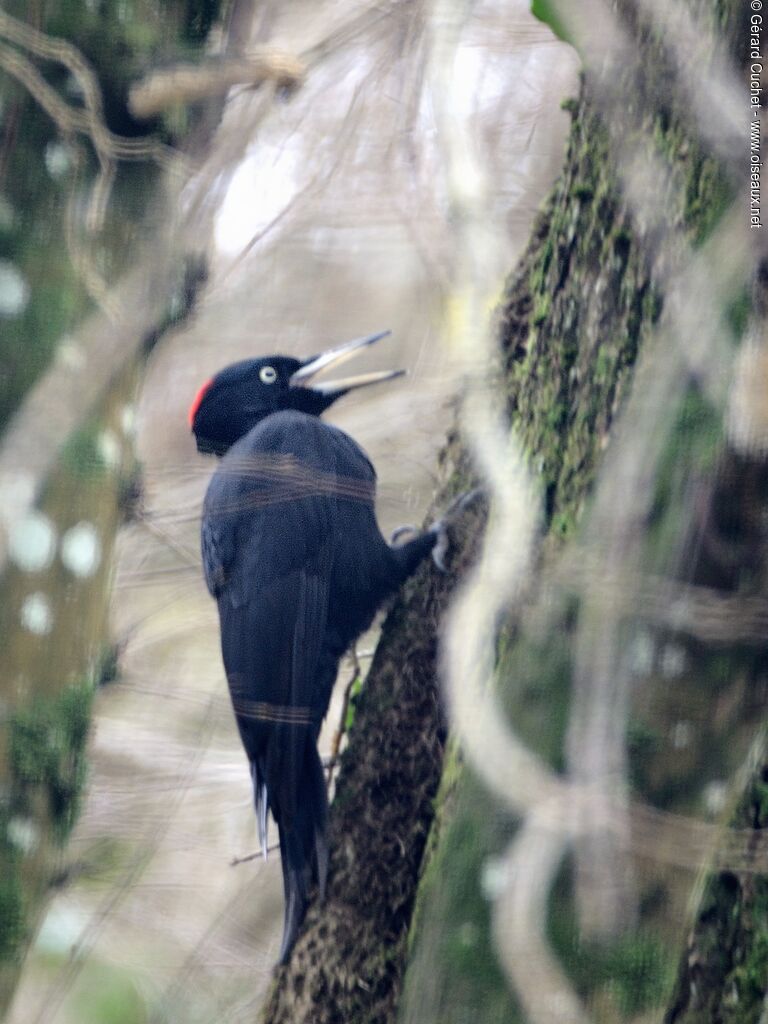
[583,306]
[68,472]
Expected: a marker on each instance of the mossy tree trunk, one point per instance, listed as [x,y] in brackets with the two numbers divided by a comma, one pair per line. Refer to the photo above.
[579,309]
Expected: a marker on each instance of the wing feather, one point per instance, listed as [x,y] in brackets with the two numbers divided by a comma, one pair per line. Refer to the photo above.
[288,524]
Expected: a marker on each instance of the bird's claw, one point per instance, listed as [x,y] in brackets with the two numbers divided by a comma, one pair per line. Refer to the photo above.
[440,526]
[443,543]
[399,531]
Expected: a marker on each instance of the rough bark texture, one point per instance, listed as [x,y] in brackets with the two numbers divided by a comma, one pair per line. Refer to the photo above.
[722,977]
[578,309]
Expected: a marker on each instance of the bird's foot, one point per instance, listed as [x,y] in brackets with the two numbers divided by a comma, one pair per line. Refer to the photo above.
[441,526]
[407,530]
[443,543]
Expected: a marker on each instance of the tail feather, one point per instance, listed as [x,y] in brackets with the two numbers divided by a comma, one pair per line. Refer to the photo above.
[319,798]
[295,889]
[300,807]
[261,802]
[262,808]
[295,908]
[321,853]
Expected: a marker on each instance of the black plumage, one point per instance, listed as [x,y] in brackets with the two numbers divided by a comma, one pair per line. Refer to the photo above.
[295,559]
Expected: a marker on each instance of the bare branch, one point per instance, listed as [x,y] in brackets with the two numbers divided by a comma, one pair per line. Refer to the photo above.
[189,83]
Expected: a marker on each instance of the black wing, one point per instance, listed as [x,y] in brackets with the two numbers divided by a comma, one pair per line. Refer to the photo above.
[273,533]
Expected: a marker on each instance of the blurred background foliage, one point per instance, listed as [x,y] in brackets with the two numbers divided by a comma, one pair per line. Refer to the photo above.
[42,174]
[45,181]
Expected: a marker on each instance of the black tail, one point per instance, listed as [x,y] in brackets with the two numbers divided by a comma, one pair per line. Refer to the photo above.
[292,775]
[261,803]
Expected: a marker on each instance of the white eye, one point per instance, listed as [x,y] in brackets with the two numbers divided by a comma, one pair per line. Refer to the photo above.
[268,375]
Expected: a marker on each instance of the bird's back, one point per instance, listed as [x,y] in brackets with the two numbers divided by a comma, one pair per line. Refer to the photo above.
[290,487]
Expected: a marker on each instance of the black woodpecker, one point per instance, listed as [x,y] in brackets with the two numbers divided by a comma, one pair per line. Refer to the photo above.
[297,564]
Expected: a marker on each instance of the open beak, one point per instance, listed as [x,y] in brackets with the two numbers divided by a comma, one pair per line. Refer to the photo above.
[304,376]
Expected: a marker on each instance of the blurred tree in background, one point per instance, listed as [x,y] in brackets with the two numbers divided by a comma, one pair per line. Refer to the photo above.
[60,244]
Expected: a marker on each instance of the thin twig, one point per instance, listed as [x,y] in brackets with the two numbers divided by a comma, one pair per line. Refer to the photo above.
[253,856]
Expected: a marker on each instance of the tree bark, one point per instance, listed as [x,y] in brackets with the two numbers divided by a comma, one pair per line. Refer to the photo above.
[583,304]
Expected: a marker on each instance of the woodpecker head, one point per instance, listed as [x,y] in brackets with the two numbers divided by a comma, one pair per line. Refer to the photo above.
[230,404]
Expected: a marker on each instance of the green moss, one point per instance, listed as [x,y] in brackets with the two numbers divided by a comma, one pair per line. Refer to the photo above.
[562,394]
[13,926]
[462,943]
[535,685]
[738,312]
[728,944]
[81,455]
[633,973]
[56,298]
[708,194]
[583,192]
[46,753]
[579,309]
[443,807]
[760,799]
[691,452]
[46,758]
[541,309]
[692,447]
[13,923]
[748,977]
[354,693]
[545,12]
[563,525]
